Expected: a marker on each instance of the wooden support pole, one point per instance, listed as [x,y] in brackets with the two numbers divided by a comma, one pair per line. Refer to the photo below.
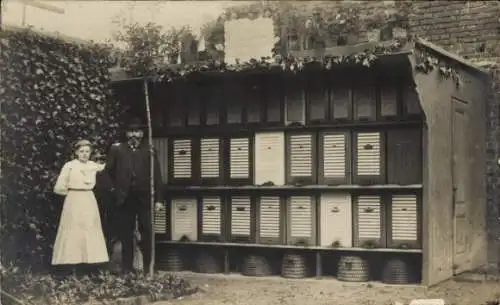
[151,178]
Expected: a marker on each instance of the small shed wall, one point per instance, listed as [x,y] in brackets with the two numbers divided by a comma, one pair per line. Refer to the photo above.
[436,96]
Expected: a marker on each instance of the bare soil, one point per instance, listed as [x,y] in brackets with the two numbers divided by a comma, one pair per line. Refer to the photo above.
[237,289]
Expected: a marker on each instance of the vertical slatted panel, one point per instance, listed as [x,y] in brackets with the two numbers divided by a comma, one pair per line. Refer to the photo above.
[184,218]
[334,155]
[368,154]
[240,216]
[269,217]
[369,217]
[211,216]
[404,218]
[161,146]
[336,219]
[301,217]
[270,158]
[210,157]
[160,222]
[182,158]
[239,158]
[300,155]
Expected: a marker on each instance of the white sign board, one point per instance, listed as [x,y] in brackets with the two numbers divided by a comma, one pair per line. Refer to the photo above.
[246,39]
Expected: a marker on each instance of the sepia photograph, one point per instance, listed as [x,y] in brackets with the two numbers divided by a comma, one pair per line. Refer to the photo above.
[249,152]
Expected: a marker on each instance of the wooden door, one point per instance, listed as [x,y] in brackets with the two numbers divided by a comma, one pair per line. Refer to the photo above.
[460,181]
[269,159]
[336,220]
[184,219]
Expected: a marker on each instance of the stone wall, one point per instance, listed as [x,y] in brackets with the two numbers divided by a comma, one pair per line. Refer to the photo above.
[472,30]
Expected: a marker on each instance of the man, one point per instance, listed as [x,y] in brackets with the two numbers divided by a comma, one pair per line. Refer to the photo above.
[128,165]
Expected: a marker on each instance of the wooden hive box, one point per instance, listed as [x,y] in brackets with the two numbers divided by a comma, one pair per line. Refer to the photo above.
[240,152]
[336,220]
[300,160]
[269,220]
[241,219]
[181,161]
[269,158]
[211,219]
[365,103]
[369,221]
[301,220]
[369,167]
[184,218]
[404,156]
[161,223]
[404,227]
[334,158]
[211,160]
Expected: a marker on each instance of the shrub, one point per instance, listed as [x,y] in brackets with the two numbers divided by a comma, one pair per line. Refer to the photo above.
[105,287]
[53,93]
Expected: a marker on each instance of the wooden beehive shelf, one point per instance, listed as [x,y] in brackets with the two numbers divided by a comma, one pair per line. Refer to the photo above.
[250,245]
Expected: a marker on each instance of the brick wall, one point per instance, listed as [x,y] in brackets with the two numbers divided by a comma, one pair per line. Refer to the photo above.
[472,30]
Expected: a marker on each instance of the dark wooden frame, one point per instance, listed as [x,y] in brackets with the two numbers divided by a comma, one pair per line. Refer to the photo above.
[291,240]
[404,244]
[174,95]
[373,90]
[314,162]
[350,106]
[367,180]
[405,114]
[228,89]
[311,84]
[194,179]
[214,89]
[239,238]
[223,206]
[282,224]
[227,159]
[399,105]
[389,153]
[191,92]
[212,181]
[348,168]
[356,240]
[268,93]
[295,84]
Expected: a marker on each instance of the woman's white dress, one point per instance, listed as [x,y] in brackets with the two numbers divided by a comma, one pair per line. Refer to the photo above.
[80,239]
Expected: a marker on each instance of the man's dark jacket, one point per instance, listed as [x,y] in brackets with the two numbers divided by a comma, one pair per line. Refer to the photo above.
[124,166]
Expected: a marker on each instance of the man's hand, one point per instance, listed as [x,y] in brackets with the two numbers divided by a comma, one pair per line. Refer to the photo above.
[159,206]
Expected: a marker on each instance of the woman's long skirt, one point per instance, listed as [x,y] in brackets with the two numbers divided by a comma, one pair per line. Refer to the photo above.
[80,238]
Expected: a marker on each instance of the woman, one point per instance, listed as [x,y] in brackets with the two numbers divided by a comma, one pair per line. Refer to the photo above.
[80,240]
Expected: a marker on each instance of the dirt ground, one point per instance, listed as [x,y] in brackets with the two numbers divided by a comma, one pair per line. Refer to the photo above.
[237,289]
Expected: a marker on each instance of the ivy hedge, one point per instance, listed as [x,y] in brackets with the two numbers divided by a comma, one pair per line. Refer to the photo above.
[53,93]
